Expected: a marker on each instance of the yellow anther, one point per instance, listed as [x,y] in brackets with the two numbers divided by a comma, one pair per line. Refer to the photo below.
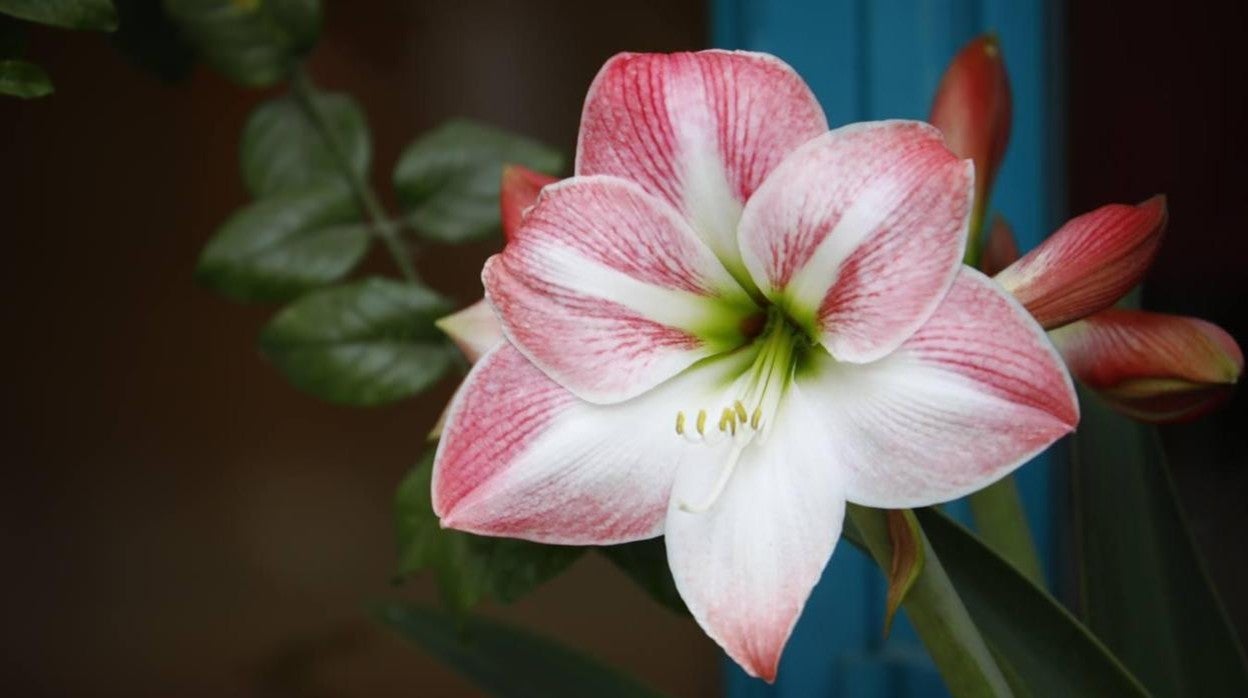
[741,413]
[680,423]
[726,419]
[757,418]
[702,421]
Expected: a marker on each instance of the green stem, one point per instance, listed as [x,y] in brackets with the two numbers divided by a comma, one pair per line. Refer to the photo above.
[1002,524]
[384,228]
[936,611]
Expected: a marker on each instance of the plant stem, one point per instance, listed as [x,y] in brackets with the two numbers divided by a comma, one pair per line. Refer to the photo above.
[936,611]
[1002,524]
[384,228]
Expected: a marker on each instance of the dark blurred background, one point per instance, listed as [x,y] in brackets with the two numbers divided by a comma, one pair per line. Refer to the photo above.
[177,520]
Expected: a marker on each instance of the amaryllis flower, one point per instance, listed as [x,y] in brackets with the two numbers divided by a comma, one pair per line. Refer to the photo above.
[727,324]
[1150,366]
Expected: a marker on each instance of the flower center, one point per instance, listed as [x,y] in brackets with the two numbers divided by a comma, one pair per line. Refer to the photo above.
[757,393]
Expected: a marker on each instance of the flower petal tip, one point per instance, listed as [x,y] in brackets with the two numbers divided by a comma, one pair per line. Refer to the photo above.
[1153,367]
[474,329]
[1089,263]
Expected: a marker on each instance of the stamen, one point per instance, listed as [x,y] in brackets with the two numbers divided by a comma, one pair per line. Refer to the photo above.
[758,391]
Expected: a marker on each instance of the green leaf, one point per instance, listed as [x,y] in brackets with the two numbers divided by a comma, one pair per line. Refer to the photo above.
[1002,522]
[366,343]
[253,42]
[282,246]
[1042,649]
[1145,591]
[469,568]
[645,562]
[936,611]
[507,661]
[448,179]
[70,14]
[22,79]
[283,150]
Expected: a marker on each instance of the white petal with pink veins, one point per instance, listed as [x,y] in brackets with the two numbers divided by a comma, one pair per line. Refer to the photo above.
[609,291]
[702,130]
[976,392]
[859,233]
[746,565]
[524,458]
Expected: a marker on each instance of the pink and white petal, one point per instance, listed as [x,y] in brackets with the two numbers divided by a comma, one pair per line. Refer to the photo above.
[702,130]
[475,329]
[859,233]
[976,392]
[1151,366]
[522,457]
[1089,263]
[518,191]
[609,291]
[746,566]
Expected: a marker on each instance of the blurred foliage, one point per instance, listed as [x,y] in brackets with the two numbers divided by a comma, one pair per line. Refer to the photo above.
[99,15]
[22,79]
[252,42]
[366,343]
[448,180]
[283,148]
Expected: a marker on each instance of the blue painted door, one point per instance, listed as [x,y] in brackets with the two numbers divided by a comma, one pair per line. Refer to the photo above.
[873,59]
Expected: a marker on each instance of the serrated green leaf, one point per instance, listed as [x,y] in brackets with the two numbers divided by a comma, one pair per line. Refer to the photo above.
[448,179]
[645,562]
[469,568]
[70,14]
[22,79]
[507,661]
[282,148]
[282,246]
[1041,648]
[1144,588]
[365,343]
[253,42]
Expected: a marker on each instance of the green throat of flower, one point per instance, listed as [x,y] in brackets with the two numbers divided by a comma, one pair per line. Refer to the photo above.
[756,396]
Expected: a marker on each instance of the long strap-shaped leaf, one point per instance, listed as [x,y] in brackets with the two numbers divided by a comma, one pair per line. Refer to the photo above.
[507,661]
[1145,591]
[938,614]
[1041,647]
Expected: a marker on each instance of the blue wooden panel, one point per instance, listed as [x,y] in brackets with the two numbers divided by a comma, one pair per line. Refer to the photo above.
[872,59]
